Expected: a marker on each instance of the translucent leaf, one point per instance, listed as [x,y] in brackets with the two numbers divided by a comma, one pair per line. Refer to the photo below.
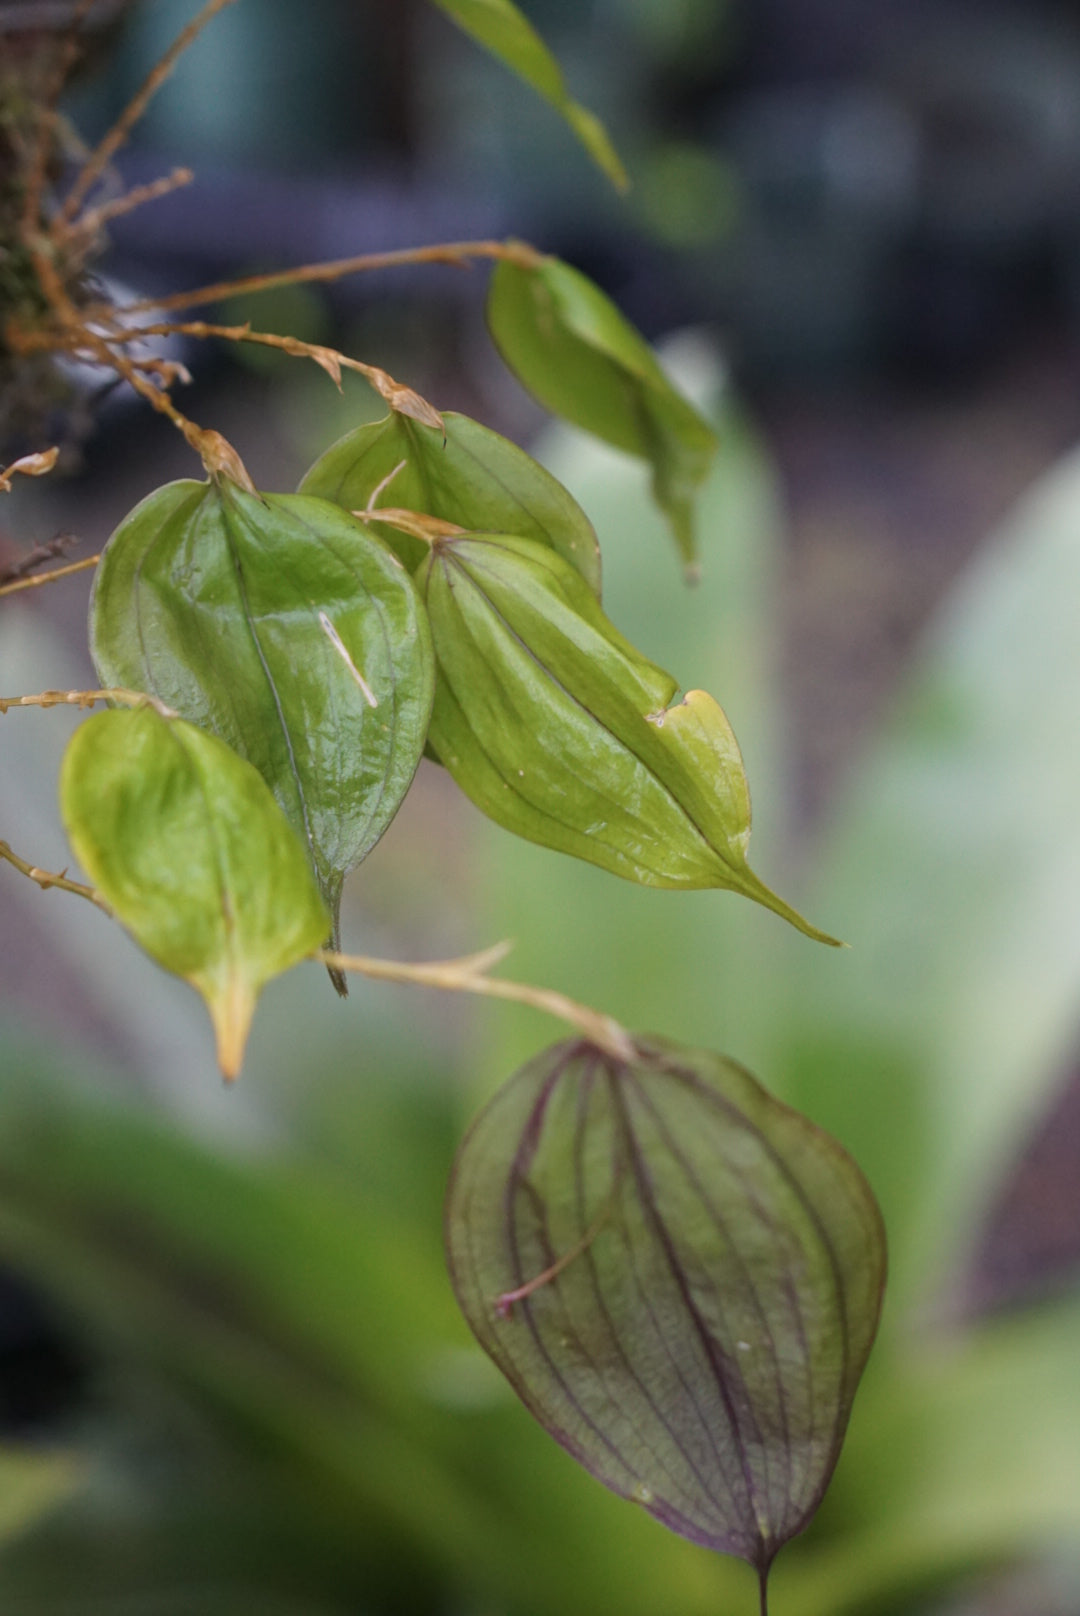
[572,348]
[279,624]
[469,475]
[499,26]
[679,1276]
[561,731]
[188,848]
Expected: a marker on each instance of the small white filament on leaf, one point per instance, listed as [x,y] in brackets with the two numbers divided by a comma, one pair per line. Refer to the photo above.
[339,646]
[380,488]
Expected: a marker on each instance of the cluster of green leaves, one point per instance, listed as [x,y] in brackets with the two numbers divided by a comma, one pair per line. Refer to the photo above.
[327,638]
[290,1414]
[293,655]
[680,1276]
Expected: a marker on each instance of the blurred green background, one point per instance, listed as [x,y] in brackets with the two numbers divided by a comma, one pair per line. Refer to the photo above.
[232,1377]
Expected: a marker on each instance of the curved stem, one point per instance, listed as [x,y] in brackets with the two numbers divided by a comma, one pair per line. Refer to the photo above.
[91,221]
[110,144]
[397,395]
[457,253]
[469,975]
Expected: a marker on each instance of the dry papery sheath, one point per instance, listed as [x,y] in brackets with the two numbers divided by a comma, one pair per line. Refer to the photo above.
[680,1277]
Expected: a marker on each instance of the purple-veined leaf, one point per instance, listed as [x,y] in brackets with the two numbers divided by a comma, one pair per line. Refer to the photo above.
[679,1276]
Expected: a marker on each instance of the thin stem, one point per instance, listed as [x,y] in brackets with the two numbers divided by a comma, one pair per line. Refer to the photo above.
[78,336]
[91,221]
[469,975]
[35,181]
[457,253]
[399,397]
[52,550]
[87,698]
[49,577]
[110,144]
[153,394]
[46,879]
[763,1590]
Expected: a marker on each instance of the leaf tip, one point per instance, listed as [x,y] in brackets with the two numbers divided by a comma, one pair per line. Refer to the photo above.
[753,887]
[231,1011]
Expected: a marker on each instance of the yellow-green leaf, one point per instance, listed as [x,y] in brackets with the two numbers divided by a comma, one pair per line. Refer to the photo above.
[188,848]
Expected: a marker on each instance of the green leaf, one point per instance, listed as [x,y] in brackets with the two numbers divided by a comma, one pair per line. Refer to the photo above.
[470,476]
[191,853]
[279,624]
[679,1276]
[572,348]
[499,26]
[559,730]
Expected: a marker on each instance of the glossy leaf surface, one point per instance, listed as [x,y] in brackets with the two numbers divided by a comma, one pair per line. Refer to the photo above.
[559,730]
[680,1277]
[501,28]
[472,477]
[279,624]
[192,854]
[572,348]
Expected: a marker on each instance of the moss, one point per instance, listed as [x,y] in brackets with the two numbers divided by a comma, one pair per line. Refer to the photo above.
[36,398]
